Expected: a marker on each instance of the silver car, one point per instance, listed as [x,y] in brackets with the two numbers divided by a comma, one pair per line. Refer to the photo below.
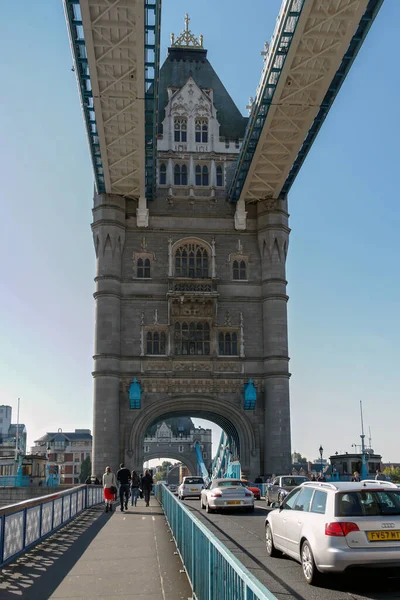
[280,486]
[329,527]
[190,487]
[226,493]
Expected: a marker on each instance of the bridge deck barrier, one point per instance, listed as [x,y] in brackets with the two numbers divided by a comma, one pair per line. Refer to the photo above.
[213,571]
[25,524]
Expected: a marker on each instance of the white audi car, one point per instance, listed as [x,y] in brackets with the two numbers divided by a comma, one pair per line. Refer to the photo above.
[190,487]
[221,494]
[330,527]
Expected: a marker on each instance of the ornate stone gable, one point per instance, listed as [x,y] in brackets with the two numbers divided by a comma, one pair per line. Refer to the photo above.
[191,101]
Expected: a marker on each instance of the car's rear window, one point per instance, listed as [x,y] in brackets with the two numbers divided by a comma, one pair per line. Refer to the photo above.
[293,481]
[193,480]
[368,503]
[231,483]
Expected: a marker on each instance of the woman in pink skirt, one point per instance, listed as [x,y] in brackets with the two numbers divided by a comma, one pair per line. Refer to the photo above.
[110,488]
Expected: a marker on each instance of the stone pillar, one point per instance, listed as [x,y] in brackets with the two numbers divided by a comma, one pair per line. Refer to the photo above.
[213,174]
[273,239]
[192,178]
[109,237]
[170,173]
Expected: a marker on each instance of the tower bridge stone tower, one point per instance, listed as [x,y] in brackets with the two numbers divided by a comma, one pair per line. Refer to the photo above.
[176,438]
[188,307]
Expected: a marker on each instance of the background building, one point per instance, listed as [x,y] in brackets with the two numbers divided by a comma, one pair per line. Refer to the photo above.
[66,452]
[8,434]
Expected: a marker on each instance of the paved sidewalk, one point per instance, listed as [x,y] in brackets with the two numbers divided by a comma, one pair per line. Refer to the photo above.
[98,555]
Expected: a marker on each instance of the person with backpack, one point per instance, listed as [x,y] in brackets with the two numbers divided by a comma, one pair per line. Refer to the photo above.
[135,488]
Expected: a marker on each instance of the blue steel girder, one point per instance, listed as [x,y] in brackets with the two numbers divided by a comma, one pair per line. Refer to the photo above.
[151,67]
[265,98]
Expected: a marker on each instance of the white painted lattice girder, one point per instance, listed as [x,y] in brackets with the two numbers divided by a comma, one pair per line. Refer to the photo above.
[114,38]
[322,36]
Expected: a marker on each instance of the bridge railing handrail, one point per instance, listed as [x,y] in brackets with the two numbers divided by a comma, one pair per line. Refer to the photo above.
[24,524]
[213,571]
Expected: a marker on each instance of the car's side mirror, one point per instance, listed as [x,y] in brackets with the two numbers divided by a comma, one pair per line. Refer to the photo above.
[276,505]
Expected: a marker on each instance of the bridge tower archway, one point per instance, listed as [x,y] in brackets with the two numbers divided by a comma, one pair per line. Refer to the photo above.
[242,432]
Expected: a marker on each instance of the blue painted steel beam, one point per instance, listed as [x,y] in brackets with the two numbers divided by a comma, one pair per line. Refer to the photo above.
[261,106]
[348,59]
[152,72]
[78,46]
[260,110]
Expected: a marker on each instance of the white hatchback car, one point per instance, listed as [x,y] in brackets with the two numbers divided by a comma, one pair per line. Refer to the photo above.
[329,527]
[227,493]
[190,487]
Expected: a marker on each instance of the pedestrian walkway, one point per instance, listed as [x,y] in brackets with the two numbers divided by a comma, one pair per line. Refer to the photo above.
[98,555]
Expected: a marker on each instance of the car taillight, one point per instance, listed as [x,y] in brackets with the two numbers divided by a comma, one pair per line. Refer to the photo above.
[216,495]
[249,494]
[340,529]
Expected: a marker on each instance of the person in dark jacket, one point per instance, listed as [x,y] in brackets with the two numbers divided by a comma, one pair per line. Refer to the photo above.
[146,484]
[124,477]
[135,488]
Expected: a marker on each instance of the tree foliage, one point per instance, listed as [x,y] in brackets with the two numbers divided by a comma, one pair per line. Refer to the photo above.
[161,475]
[298,458]
[393,473]
[86,469]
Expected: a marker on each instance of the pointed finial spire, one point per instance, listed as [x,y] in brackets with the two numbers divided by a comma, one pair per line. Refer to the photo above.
[186,39]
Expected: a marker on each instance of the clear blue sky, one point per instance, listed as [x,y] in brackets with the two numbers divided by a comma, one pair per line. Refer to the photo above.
[344,247]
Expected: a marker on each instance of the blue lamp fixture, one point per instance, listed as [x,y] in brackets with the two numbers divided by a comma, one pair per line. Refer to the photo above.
[135,393]
[250,395]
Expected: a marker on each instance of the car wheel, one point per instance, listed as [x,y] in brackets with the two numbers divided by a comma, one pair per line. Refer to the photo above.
[280,498]
[181,497]
[209,509]
[269,542]
[267,500]
[310,572]
[202,505]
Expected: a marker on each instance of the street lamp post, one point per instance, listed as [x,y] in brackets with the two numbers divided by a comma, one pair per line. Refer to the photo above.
[321,451]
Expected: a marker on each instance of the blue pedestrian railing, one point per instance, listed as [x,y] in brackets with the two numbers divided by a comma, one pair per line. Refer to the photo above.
[25,524]
[213,571]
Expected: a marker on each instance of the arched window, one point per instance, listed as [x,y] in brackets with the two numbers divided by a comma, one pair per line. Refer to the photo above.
[191,260]
[239,269]
[201,130]
[180,129]
[220,179]
[155,342]
[192,338]
[227,344]
[205,175]
[163,174]
[198,175]
[143,268]
[180,175]
[201,175]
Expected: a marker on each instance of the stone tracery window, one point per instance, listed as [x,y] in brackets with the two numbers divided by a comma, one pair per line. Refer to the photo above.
[201,130]
[180,175]
[239,270]
[201,175]
[191,260]
[180,129]
[228,343]
[192,338]
[163,174]
[143,268]
[155,342]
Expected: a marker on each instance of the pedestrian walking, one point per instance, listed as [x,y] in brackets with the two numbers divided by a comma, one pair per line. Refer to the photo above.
[135,488]
[109,487]
[124,477]
[380,476]
[146,484]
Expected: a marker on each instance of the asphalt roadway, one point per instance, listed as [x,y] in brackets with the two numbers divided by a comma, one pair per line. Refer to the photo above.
[243,534]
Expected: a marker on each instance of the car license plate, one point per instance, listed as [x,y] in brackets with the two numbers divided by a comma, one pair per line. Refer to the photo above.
[233,502]
[194,490]
[383,536]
